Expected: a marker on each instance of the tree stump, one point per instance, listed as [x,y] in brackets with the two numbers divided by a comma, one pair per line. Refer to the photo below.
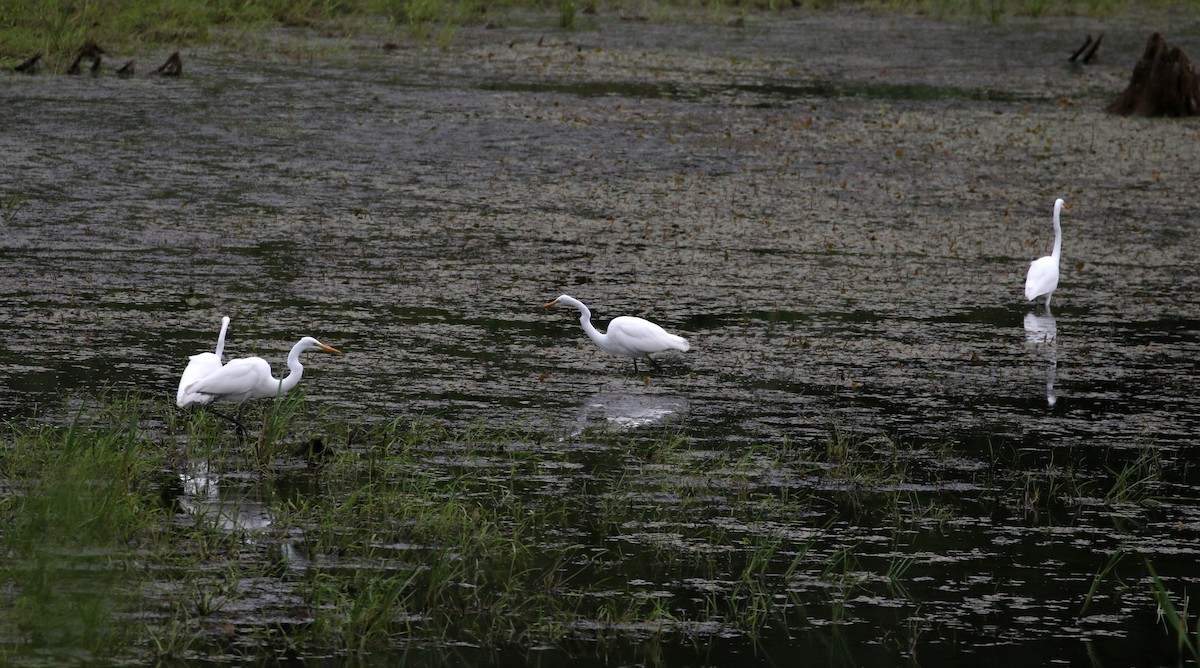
[1088,50]
[173,67]
[1163,84]
[30,65]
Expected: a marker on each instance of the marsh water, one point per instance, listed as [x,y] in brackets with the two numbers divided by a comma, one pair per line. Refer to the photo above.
[836,209]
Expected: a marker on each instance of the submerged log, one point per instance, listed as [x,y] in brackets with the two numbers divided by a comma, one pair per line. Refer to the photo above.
[1163,84]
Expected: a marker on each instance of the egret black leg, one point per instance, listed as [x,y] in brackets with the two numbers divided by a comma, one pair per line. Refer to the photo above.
[236,422]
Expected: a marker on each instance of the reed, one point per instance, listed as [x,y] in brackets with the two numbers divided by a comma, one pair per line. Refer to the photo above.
[1176,619]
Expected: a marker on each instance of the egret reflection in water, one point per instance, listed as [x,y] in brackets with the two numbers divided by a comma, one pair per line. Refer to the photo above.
[622,410]
[1041,335]
[235,504]
[228,504]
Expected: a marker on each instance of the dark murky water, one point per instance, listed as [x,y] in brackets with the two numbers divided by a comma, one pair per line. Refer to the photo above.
[837,211]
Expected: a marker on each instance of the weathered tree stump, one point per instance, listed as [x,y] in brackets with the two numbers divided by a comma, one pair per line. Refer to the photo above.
[1163,84]
[89,50]
[29,66]
[173,67]
[1088,50]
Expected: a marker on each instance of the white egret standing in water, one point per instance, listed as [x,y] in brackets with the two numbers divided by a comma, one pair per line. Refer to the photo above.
[1042,278]
[628,336]
[250,377]
[199,366]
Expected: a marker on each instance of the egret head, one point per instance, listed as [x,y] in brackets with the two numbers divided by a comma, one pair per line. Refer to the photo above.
[309,342]
[565,300]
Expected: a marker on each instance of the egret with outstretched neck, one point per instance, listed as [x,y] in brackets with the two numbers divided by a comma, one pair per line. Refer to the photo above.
[627,336]
[199,366]
[1042,278]
[250,377]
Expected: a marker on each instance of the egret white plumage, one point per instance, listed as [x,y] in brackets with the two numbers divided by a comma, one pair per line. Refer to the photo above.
[250,377]
[627,336]
[199,366]
[1042,278]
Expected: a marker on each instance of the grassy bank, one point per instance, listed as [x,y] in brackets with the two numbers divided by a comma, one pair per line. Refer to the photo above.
[146,526]
[163,536]
[58,29]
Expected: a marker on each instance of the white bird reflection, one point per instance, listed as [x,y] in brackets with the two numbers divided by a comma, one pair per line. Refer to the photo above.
[1041,336]
[229,504]
[627,411]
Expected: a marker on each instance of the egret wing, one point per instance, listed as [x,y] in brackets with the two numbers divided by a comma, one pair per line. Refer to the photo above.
[199,366]
[238,377]
[642,337]
[1042,277]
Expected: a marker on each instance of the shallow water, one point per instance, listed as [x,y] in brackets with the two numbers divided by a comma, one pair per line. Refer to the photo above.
[836,209]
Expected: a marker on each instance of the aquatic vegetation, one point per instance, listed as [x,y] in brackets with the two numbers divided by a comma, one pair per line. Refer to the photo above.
[9,207]
[405,535]
[421,535]
[1102,574]
[1188,639]
[566,14]
[81,498]
[1138,480]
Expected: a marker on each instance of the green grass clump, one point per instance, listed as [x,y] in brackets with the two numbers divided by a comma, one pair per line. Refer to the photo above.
[1176,619]
[80,498]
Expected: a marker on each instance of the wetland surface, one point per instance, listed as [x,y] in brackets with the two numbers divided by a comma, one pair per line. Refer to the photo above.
[837,209]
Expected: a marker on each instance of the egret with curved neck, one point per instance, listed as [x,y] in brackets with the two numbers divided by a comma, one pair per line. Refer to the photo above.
[250,377]
[1042,278]
[627,336]
[199,366]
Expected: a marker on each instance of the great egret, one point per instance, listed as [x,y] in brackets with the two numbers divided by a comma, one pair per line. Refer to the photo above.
[199,366]
[626,335]
[1042,278]
[250,377]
